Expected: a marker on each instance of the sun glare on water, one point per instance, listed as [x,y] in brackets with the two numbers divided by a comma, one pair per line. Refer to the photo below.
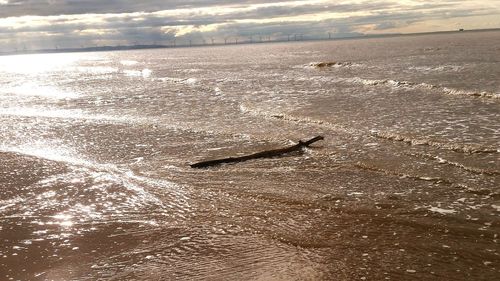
[39,63]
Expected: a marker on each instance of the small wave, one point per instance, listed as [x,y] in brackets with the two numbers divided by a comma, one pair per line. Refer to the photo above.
[185,81]
[97,69]
[462,148]
[387,82]
[412,85]
[441,68]
[416,141]
[218,91]
[145,73]
[190,70]
[456,164]
[442,211]
[332,64]
[304,120]
[129,62]
[484,94]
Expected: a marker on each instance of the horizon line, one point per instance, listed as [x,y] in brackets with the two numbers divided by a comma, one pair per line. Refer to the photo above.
[104,48]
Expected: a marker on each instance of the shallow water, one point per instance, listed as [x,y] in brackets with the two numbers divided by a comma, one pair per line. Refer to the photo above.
[95,150]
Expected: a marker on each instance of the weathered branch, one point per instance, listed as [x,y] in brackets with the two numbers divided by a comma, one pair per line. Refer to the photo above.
[262,154]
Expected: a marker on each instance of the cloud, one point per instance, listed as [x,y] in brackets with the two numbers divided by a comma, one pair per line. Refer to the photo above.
[15,8]
[73,23]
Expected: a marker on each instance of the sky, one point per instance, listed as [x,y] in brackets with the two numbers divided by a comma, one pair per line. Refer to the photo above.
[36,24]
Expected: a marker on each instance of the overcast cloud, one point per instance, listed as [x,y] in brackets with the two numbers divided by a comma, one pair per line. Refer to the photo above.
[36,24]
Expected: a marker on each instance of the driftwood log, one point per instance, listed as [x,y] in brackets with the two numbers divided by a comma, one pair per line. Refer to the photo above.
[262,154]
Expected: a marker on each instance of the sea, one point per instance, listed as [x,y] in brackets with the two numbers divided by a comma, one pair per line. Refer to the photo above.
[95,154]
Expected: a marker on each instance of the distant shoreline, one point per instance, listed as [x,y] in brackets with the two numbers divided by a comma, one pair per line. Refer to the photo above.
[153,46]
